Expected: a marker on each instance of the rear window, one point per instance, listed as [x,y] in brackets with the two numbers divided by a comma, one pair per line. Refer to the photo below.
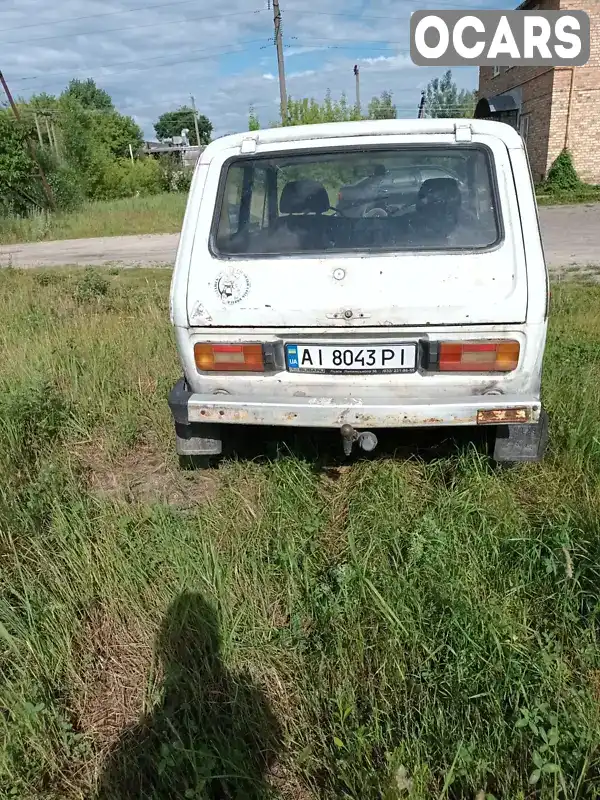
[440,198]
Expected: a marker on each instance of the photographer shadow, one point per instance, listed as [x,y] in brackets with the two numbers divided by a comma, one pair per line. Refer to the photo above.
[212,735]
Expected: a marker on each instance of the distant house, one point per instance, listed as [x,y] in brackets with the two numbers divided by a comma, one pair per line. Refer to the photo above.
[186,154]
[552,107]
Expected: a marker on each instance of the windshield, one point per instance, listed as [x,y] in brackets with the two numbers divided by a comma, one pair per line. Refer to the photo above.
[400,199]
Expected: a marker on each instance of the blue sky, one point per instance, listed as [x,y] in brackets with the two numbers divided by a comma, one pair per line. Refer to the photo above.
[151,55]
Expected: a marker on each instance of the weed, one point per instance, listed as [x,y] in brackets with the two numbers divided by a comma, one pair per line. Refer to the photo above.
[412,630]
[92,286]
[161,213]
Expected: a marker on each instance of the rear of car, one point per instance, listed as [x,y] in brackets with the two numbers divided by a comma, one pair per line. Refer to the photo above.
[292,309]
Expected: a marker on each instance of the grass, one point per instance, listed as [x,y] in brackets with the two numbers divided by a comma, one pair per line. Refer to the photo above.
[393,629]
[586,193]
[157,214]
[161,213]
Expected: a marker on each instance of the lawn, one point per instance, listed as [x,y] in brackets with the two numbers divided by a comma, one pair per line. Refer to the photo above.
[280,627]
[161,213]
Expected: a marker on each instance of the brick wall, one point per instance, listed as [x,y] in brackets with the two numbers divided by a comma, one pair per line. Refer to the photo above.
[583,136]
[536,85]
[547,95]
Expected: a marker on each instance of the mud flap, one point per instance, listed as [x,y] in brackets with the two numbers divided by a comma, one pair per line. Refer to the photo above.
[192,439]
[521,443]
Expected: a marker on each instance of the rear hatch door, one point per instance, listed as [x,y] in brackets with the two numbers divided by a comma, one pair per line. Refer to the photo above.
[331,289]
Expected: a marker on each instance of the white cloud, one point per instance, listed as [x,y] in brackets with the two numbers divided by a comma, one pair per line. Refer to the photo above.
[304,74]
[151,60]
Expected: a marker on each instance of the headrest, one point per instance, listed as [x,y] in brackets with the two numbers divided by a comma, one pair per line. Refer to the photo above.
[303,196]
[438,191]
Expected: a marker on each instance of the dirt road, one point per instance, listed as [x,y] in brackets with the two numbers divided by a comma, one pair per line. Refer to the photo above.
[571,237]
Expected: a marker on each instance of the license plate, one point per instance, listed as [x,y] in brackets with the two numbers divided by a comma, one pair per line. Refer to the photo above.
[371,358]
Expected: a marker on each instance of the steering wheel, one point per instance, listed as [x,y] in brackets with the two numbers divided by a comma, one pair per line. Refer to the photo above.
[375,212]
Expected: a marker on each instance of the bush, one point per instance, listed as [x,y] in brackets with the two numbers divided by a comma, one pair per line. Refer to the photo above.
[143,176]
[66,187]
[562,175]
[114,179]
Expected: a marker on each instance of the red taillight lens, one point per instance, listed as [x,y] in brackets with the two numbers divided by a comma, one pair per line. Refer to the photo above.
[229,357]
[480,357]
[339,197]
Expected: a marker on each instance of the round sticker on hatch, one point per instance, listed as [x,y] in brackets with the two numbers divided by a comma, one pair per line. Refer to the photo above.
[232,286]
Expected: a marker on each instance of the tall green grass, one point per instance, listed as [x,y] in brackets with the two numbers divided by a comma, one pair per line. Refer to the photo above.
[161,213]
[397,629]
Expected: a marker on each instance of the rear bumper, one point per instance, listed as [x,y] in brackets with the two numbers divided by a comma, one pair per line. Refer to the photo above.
[330,412]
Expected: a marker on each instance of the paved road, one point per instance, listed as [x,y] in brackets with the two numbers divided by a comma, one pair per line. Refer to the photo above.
[571,236]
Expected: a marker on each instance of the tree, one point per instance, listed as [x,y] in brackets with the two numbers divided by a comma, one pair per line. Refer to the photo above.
[117,131]
[253,121]
[382,107]
[89,95]
[444,99]
[171,123]
[308,111]
[18,180]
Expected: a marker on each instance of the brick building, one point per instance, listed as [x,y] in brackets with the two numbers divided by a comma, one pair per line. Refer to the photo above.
[552,107]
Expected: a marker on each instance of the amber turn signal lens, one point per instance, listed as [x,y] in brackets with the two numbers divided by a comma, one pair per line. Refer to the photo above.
[480,357]
[229,357]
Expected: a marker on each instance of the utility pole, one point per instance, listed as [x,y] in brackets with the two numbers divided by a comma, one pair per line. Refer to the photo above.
[357,76]
[38,129]
[280,67]
[195,120]
[46,185]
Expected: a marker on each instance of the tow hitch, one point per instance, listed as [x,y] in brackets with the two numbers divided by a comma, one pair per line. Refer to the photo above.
[366,440]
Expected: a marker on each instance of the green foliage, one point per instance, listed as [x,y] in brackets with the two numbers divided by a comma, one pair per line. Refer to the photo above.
[253,121]
[126,178]
[17,168]
[116,132]
[308,111]
[88,95]
[92,159]
[444,99]
[171,123]
[562,175]
[66,186]
[402,628]
[382,107]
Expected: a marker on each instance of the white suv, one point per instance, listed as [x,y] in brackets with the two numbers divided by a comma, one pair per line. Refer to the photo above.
[288,311]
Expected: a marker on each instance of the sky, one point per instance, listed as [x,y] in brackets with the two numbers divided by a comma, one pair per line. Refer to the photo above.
[151,55]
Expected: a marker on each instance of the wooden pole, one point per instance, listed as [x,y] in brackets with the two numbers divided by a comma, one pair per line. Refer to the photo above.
[280,65]
[46,185]
[39,130]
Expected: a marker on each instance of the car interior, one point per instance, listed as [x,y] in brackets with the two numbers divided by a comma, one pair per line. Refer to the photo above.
[307,222]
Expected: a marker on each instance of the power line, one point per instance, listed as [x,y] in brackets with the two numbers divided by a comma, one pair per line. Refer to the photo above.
[131,27]
[106,78]
[95,67]
[358,17]
[122,63]
[93,16]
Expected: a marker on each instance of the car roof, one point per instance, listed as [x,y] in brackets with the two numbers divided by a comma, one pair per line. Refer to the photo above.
[387,127]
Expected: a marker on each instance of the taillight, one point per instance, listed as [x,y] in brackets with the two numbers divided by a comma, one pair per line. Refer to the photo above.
[229,357]
[478,357]
[339,197]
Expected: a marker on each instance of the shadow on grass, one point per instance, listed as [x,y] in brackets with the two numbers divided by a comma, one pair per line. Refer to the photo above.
[323,448]
[212,736]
